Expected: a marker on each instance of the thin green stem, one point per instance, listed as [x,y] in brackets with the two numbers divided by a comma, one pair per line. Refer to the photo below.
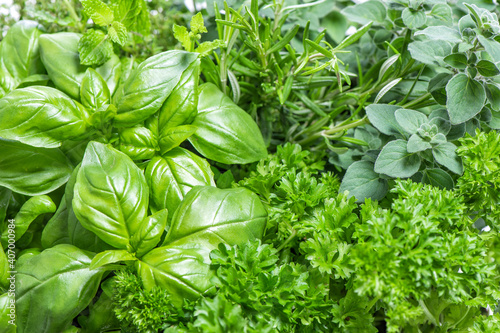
[73,14]
[336,129]
[422,99]
[288,240]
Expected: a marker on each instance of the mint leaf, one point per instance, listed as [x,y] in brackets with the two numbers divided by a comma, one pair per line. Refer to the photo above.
[465,98]
[197,25]
[395,161]
[133,14]
[118,33]
[98,11]
[95,48]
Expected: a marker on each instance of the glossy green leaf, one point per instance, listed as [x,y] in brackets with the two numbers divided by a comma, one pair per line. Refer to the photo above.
[43,171]
[110,257]
[138,143]
[413,19]
[98,11]
[446,156]
[416,144]
[209,215]
[438,178]
[118,33]
[410,120]
[94,48]
[56,230]
[103,116]
[110,195]
[19,55]
[41,117]
[184,271]
[111,71]
[487,68]
[101,316]
[94,91]
[173,175]
[383,117]
[174,136]
[150,232]
[149,85]
[362,182]
[59,54]
[53,287]
[466,98]
[6,267]
[365,12]
[225,133]
[30,210]
[7,313]
[395,161]
[134,14]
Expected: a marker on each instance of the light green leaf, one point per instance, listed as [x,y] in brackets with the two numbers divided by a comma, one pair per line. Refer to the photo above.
[98,11]
[56,230]
[94,91]
[491,46]
[182,35]
[138,143]
[395,161]
[111,71]
[487,68]
[416,144]
[442,12]
[5,268]
[362,182]
[225,133]
[197,25]
[149,85]
[173,175]
[134,14]
[174,136]
[410,120]
[429,52]
[365,12]
[59,54]
[110,257]
[95,48]
[441,33]
[41,117]
[446,156]
[382,117]
[110,195]
[413,19]
[118,33]
[45,301]
[150,232]
[465,98]
[7,319]
[443,125]
[43,170]
[437,177]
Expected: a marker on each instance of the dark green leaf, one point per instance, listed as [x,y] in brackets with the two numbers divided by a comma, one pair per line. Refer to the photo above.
[465,98]
[446,156]
[56,230]
[487,68]
[438,177]
[493,95]
[382,116]
[456,60]
[362,182]
[395,161]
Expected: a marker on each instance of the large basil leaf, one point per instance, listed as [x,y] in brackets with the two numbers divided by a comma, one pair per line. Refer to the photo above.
[225,133]
[94,91]
[149,233]
[59,53]
[184,271]
[6,305]
[56,230]
[43,170]
[5,267]
[138,143]
[53,287]
[209,215]
[149,85]
[19,55]
[41,117]
[173,175]
[111,71]
[111,196]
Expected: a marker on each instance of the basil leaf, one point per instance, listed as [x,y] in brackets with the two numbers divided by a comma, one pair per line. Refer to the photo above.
[43,169]
[109,257]
[149,85]
[111,195]
[465,99]
[362,182]
[59,53]
[56,230]
[111,71]
[41,117]
[19,55]
[94,91]
[173,137]
[150,232]
[225,133]
[45,301]
[5,267]
[7,319]
[395,161]
[209,215]
[173,175]
[138,143]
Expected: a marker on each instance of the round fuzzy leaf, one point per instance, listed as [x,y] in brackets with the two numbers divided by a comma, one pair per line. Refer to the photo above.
[225,133]
[173,175]
[438,178]
[395,161]
[110,195]
[365,12]
[413,19]
[416,144]
[493,95]
[382,117]
[410,120]
[487,68]
[43,170]
[41,117]
[362,182]
[465,98]
[53,287]
[446,156]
